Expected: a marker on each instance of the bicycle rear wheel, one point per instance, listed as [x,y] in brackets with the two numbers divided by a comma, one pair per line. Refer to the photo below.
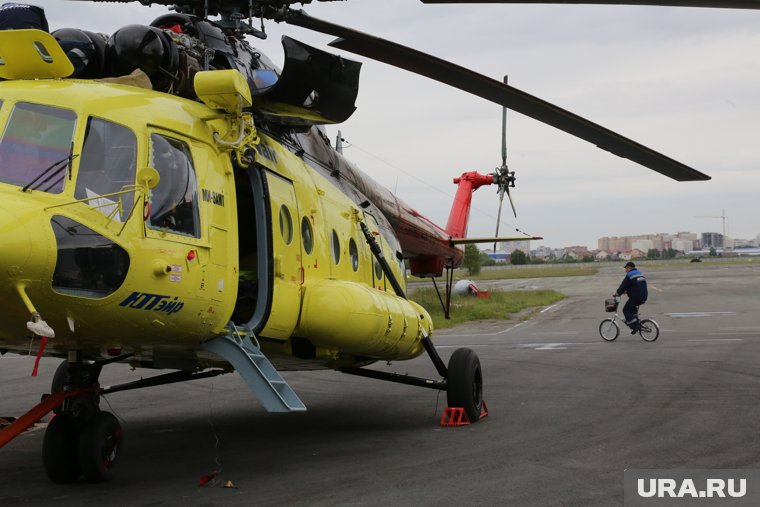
[609,330]
[649,330]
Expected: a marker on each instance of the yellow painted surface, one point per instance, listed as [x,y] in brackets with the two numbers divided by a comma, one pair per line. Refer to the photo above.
[336,312]
[222,89]
[180,290]
[30,54]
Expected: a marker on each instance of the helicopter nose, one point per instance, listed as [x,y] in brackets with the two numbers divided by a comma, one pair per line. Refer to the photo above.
[15,241]
[23,241]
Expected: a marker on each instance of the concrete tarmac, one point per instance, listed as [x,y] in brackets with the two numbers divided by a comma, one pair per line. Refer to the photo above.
[568,413]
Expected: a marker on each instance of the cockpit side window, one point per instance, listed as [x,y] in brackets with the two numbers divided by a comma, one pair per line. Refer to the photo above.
[106,165]
[35,149]
[174,201]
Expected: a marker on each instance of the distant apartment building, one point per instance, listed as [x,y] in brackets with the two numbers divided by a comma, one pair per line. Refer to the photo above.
[682,245]
[511,246]
[681,242]
[744,243]
[686,235]
[614,244]
[547,253]
[712,240]
[641,242]
[643,245]
[543,252]
[575,252]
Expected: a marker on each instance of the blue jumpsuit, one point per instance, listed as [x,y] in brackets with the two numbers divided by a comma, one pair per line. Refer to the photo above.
[635,286]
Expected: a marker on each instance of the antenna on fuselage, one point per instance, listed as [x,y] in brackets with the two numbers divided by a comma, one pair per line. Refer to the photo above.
[339,143]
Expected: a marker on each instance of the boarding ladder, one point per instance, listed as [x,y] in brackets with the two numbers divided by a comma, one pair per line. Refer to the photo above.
[240,348]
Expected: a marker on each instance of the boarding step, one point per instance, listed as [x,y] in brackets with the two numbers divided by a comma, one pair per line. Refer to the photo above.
[245,355]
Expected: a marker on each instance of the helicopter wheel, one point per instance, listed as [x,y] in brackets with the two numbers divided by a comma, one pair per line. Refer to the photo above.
[59,450]
[100,446]
[59,380]
[465,383]
[60,376]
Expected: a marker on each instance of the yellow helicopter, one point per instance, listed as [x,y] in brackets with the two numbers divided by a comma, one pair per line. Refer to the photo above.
[170,200]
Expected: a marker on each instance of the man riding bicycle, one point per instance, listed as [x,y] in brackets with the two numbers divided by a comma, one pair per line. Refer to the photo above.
[635,286]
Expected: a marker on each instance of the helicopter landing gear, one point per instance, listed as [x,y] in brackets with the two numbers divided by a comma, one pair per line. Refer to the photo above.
[463,379]
[72,448]
[100,445]
[59,450]
[465,383]
[81,439]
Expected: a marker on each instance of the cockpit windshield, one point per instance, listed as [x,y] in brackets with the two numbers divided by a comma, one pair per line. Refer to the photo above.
[36,147]
[107,165]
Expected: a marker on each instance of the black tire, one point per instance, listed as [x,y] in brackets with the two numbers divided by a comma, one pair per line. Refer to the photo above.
[60,376]
[465,383]
[59,450]
[609,330]
[649,330]
[59,380]
[100,446]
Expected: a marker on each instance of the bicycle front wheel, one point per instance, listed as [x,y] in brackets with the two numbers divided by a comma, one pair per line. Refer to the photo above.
[649,330]
[609,330]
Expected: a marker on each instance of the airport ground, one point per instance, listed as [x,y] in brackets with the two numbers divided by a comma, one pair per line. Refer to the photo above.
[568,413]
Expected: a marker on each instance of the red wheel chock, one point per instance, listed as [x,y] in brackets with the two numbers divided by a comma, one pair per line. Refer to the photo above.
[456,416]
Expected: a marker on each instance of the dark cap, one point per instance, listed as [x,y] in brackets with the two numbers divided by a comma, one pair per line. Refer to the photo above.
[629,265]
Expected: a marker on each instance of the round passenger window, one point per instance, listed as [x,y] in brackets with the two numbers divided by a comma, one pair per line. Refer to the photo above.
[335,244]
[353,253]
[307,235]
[286,224]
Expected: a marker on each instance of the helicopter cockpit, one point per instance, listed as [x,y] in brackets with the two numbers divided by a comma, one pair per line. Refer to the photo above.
[106,165]
[35,147]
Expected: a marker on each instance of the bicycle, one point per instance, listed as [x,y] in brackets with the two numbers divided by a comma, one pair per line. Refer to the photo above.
[610,330]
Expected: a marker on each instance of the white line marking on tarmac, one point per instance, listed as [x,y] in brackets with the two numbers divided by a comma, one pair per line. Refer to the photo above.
[713,340]
[546,333]
[469,345]
[544,346]
[506,330]
[497,333]
[548,308]
[553,346]
[698,314]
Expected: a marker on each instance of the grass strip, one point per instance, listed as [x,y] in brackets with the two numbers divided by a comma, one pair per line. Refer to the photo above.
[500,305]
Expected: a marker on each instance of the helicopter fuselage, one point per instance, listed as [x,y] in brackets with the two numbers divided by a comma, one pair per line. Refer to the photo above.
[116,268]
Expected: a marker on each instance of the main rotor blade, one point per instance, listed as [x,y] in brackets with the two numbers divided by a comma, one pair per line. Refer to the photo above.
[718,4]
[504,132]
[498,219]
[511,203]
[477,84]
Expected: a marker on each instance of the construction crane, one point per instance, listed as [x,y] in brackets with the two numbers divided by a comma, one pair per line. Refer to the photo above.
[723,217]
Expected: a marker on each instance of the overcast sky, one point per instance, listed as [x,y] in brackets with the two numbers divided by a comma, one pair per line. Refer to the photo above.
[682,81]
